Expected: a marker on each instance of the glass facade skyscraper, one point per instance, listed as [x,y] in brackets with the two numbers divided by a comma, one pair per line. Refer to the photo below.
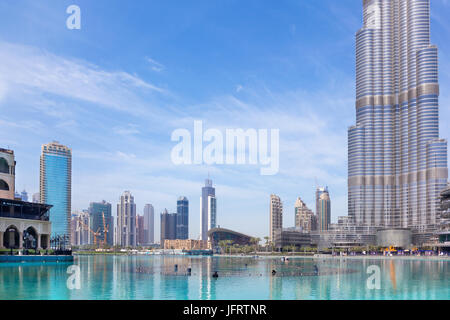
[168,226]
[183,218]
[149,224]
[96,212]
[397,162]
[56,185]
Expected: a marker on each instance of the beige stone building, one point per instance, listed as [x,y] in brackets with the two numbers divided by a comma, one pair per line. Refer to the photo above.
[276,216]
[303,216]
[187,244]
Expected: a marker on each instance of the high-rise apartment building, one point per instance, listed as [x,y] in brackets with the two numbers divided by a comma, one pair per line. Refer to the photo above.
[208,210]
[397,162]
[324,214]
[80,224]
[149,224]
[303,216]
[56,185]
[183,218]
[100,215]
[276,216]
[168,226]
[126,221]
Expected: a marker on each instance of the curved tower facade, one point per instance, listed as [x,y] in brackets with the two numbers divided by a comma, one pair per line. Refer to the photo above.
[397,163]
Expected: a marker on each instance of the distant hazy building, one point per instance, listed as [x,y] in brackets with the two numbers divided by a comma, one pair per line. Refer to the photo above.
[324,214]
[36,197]
[149,224]
[98,211]
[80,225]
[7,174]
[183,218]
[208,209]
[56,185]
[17,196]
[303,216]
[168,226]
[126,221]
[276,216]
[24,196]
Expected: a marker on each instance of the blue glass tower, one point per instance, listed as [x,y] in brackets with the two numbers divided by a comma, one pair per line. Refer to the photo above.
[182,218]
[397,162]
[101,221]
[56,185]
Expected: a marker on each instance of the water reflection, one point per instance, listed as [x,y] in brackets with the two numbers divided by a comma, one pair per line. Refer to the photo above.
[156,277]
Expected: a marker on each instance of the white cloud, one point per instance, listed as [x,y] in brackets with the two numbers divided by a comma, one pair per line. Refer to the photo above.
[25,69]
[155,65]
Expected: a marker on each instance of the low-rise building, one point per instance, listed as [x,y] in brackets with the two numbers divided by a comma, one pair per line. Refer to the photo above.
[291,237]
[187,244]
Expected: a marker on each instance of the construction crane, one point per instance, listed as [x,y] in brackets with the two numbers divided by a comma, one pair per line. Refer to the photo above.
[95,234]
[105,229]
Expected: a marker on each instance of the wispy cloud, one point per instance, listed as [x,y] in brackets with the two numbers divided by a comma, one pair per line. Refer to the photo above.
[155,65]
[27,69]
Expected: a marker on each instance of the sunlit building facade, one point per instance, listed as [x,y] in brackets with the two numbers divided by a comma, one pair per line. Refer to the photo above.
[304,217]
[276,216]
[397,162]
[126,235]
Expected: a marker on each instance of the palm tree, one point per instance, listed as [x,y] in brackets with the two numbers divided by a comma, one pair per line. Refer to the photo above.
[267,242]
[255,241]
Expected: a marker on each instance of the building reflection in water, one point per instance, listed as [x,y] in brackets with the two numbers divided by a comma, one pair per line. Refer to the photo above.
[154,277]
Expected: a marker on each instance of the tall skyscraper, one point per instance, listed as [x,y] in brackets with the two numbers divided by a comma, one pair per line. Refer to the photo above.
[96,212]
[126,221]
[208,209]
[183,218]
[303,216]
[397,163]
[324,214]
[56,185]
[140,231]
[7,174]
[319,192]
[168,226]
[149,224]
[276,216]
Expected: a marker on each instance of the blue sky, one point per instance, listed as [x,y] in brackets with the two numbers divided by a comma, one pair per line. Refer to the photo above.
[116,89]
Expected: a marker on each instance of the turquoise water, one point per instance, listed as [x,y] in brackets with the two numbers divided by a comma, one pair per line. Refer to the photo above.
[154,277]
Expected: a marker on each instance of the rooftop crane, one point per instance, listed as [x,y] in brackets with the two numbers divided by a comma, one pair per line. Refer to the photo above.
[95,234]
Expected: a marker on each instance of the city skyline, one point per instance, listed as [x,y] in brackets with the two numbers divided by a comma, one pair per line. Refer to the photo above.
[65,110]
